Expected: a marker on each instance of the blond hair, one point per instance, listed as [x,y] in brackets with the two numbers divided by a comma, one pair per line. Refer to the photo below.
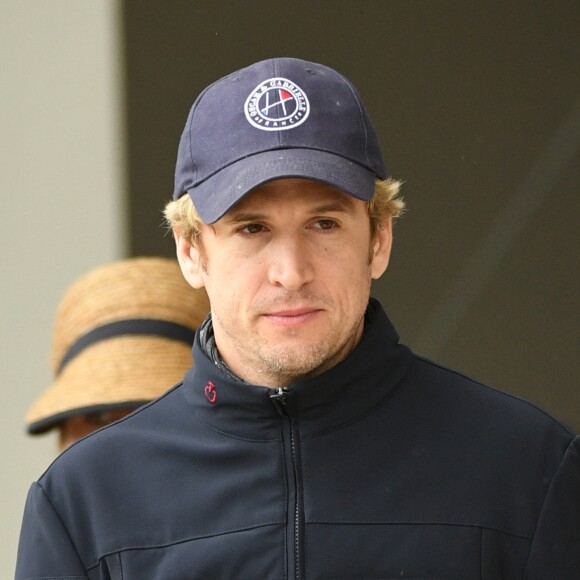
[182,216]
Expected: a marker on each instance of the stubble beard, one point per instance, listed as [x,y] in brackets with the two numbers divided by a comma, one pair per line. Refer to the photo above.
[275,365]
[286,366]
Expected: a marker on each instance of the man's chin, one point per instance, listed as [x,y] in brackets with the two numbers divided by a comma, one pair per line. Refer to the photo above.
[291,366]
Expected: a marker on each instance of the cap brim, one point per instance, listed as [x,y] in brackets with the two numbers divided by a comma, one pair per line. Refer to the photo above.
[217,194]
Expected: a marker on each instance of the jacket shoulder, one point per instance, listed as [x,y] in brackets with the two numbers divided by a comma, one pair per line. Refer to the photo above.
[455,393]
[116,441]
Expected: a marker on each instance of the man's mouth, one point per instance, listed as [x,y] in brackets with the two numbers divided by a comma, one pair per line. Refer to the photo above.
[292,316]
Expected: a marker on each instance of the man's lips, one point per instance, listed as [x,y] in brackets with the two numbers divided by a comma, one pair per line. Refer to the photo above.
[292,317]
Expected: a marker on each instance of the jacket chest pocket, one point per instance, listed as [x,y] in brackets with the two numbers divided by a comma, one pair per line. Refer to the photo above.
[254,553]
[412,552]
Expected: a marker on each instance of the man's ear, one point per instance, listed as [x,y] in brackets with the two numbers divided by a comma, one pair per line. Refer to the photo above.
[190,260]
[381,250]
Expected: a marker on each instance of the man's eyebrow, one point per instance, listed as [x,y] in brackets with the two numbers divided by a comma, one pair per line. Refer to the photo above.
[243,217]
[342,205]
[338,205]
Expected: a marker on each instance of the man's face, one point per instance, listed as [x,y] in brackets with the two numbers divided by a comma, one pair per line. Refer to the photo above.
[288,273]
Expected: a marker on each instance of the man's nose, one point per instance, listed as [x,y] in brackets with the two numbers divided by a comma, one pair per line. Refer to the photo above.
[291,264]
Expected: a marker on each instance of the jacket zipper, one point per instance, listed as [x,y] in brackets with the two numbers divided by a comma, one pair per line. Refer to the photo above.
[280,399]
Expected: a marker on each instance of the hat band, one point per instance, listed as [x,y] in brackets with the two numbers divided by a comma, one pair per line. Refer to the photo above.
[134,326]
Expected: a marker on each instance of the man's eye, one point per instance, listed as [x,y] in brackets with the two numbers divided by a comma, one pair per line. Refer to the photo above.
[252,229]
[325,224]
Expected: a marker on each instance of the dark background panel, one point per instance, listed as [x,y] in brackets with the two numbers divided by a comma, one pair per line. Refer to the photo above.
[478,109]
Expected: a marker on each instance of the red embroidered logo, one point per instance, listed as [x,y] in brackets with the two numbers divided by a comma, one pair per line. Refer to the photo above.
[210,393]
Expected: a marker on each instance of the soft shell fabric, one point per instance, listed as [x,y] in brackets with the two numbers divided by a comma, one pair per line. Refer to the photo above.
[387,466]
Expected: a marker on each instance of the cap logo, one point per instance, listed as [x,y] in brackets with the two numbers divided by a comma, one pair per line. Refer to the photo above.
[276,105]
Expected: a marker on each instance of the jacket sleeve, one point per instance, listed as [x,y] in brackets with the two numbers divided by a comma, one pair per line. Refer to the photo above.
[555,551]
[45,549]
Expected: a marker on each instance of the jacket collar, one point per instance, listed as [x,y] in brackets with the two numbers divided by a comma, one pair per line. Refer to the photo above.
[341,395]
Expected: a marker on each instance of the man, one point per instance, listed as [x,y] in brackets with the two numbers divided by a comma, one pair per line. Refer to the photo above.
[122,336]
[306,442]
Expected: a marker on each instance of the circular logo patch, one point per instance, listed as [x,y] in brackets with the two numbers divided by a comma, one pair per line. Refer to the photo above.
[276,105]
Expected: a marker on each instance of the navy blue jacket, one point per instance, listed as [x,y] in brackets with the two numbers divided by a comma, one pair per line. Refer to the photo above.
[386,466]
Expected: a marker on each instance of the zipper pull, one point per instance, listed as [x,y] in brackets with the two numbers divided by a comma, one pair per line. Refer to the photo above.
[278,397]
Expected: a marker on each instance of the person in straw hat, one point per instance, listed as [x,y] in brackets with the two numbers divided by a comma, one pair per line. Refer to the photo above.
[307,442]
[122,336]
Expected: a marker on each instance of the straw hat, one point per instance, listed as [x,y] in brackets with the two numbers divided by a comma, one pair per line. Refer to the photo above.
[122,336]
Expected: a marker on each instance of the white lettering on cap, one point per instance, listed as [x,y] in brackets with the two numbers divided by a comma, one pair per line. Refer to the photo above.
[277,104]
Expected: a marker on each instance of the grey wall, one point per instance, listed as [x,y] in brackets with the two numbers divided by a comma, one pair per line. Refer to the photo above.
[62,193]
[478,109]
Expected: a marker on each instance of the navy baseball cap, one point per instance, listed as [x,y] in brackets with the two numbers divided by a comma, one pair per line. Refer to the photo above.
[277,118]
